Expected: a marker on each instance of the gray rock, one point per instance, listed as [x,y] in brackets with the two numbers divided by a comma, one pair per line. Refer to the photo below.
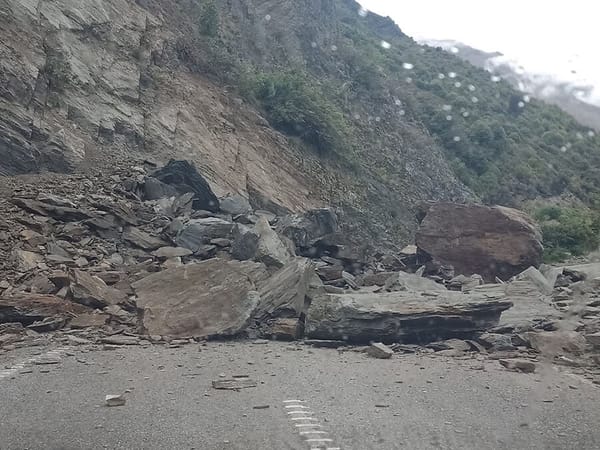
[380,351]
[155,189]
[270,250]
[330,273]
[199,232]
[245,243]
[400,316]
[142,239]
[220,242]
[377,279]
[305,230]
[545,285]
[593,340]
[518,365]
[171,252]
[24,260]
[496,342]
[235,204]
[91,291]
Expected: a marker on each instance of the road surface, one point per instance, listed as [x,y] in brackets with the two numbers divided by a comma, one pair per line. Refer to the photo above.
[305,398]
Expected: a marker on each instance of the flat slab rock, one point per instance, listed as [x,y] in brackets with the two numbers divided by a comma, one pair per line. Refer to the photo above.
[403,317]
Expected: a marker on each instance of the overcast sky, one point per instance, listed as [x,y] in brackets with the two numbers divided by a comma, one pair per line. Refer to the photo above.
[549,36]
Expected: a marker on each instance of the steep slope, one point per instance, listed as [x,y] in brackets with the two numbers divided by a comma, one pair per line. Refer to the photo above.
[292,103]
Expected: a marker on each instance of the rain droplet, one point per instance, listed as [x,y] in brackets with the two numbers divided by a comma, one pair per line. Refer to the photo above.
[398,102]
[591,133]
[334,48]
[408,79]
[402,112]
[377,119]
[474,99]
[457,84]
[466,114]
[441,76]
[447,107]
[454,50]
[526,98]
[408,66]
[579,135]
[563,149]
[268,17]
[313,44]
[448,117]
[386,45]
[456,138]
[362,12]
[496,78]
[357,116]
[521,104]
[452,74]
[471,88]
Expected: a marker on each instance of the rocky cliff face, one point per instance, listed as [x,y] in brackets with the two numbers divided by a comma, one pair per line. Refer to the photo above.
[94,84]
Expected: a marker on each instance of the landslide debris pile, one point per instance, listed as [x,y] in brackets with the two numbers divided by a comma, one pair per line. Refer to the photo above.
[152,253]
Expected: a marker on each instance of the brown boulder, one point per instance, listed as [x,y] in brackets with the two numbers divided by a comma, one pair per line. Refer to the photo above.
[214,297]
[491,241]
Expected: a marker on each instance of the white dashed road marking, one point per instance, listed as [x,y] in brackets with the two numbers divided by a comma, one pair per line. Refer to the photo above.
[15,368]
[308,427]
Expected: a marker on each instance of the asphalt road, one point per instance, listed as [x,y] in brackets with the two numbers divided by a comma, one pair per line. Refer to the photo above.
[308,398]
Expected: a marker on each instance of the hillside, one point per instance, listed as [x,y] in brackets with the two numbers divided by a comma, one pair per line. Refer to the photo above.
[291,103]
[572,97]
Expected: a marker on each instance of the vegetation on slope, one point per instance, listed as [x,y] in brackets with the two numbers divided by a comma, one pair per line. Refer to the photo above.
[505,146]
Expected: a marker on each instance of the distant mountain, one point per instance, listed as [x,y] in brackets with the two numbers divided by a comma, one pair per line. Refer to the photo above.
[570,97]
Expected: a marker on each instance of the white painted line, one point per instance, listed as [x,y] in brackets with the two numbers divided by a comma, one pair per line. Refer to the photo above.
[21,365]
[299,412]
[296,406]
[317,439]
[320,440]
[304,418]
[302,433]
[302,425]
[293,401]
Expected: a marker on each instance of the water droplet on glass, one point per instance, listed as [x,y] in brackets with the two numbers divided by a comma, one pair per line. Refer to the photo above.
[496,78]
[268,17]
[386,44]
[362,12]
[334,48]
[402,112]
[521,104]
[398,102]
[447,107]
[454,50]
[474,99]
[408,79]
[579,135]
[457,84]
[448,117]
[313,44]
[377,119]
[591,133]
[452,74]
[456,138]
[563,149]
[441,76]
[472,88]
[408,66]
[466,114]
[526,98]
[357,116]
[569,145]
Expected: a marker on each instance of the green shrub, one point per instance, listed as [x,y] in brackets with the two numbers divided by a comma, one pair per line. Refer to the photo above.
[296,105]
[568,231]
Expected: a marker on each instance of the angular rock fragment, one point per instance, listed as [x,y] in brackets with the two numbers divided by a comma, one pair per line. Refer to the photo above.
[380,351]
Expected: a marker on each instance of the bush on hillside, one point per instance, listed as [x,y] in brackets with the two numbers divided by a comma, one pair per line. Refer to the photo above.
[296,105]
[568,231]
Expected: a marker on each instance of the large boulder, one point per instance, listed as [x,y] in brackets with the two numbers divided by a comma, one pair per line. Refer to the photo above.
[212,298]
[490,241]
[404,317]
[260,243]
[184,177]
